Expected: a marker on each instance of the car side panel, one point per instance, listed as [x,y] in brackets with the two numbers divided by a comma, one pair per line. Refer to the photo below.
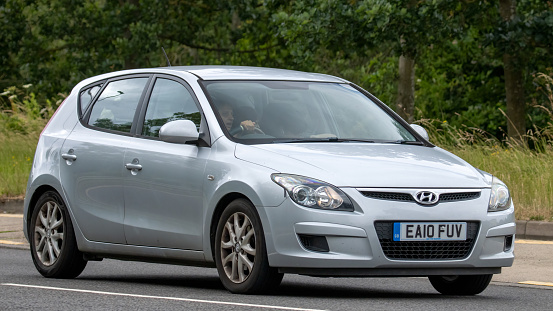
[45,169]
[163,200]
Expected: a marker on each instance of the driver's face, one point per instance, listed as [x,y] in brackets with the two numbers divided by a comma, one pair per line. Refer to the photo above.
[227,115]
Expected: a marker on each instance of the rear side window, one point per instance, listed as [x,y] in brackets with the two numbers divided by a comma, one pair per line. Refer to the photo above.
[87,96]
[116,106]
[169,101]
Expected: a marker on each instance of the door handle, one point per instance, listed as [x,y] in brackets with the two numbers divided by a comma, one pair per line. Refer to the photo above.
[134,166]
[131,166]
[69,157]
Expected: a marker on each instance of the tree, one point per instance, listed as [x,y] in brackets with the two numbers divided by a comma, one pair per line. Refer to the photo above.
[354,27]
[526,26]
[66,41]
[514,80]
[11,29]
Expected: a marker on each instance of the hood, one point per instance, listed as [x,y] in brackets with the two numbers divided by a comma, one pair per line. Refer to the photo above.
[367,165]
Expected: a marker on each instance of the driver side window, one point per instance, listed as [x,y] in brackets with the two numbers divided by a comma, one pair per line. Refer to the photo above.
[169,101]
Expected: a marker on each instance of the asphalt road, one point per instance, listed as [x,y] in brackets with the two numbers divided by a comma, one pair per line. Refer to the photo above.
[119,285]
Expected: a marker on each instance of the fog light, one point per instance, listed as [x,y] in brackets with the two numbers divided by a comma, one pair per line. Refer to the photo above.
[508,243]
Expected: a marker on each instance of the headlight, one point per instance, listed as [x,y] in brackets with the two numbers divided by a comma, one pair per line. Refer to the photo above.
[313,193]
[500,198]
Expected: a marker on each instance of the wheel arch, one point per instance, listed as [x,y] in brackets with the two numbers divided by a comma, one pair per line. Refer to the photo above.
[217,212]
[36,194]
[40,185]
[262,195]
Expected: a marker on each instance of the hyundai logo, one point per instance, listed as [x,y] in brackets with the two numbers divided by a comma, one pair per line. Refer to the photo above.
[426,197]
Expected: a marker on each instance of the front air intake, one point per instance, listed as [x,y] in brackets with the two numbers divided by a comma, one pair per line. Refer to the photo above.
[315,243]
[508,243]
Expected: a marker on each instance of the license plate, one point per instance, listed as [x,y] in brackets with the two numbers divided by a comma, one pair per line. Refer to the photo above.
[420,231]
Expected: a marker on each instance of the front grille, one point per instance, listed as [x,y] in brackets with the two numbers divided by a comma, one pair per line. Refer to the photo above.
[460,196]
[406,197]
[390,196]
[424,250]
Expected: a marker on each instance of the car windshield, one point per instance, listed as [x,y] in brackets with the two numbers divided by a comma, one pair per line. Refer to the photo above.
[288,111]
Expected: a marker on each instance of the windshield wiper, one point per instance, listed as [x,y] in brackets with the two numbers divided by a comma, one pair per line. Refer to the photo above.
[409,142]
[303,140]
[355,140]
[318,140]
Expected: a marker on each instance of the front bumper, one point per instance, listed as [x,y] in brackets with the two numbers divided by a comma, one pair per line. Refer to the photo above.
[354,248]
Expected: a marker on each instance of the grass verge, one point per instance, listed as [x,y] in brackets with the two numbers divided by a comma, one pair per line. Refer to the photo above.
[16,160]
[528,174]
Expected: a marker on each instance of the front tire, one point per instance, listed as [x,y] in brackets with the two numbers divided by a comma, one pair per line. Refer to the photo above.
[53,245]
[461,285]
[240,251]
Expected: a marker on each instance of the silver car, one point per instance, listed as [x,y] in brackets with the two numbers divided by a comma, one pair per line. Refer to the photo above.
[258,172]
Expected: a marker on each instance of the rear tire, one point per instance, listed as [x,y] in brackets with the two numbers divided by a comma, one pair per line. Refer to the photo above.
[240,251]
[53,245]
[461,285]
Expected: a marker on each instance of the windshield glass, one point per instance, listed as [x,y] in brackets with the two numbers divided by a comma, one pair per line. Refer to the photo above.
[287,111]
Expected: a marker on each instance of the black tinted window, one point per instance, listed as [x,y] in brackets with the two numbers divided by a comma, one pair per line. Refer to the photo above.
[115,108]
[169,101]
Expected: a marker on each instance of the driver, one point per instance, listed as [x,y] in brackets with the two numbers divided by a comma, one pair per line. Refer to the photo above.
[247,126]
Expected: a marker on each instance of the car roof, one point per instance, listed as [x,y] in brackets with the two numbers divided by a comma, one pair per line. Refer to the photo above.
[221,73]
[253,73]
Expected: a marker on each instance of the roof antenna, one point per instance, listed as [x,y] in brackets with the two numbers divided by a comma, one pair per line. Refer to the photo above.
[167,58]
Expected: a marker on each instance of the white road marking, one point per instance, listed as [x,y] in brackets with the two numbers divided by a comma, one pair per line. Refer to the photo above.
[537,242]
[11,242]
[537,283]
[160,297]
[12,215]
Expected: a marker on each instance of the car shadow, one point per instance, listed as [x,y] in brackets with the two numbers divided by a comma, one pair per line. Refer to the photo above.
[288,288]
[331,291]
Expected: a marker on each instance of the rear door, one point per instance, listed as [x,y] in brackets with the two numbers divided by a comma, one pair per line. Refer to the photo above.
[92,156]
[163,197]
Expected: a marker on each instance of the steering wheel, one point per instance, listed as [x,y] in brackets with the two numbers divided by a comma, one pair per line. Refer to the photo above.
[238,130]
[258,131]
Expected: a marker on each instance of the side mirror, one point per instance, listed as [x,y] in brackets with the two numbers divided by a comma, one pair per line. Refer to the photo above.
[179,131]
[421,131]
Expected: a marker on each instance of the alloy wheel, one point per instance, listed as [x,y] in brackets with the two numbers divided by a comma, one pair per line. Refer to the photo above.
[238,247]
[49,233]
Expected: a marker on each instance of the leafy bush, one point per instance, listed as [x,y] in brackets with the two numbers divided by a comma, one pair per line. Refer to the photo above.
[21,112]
